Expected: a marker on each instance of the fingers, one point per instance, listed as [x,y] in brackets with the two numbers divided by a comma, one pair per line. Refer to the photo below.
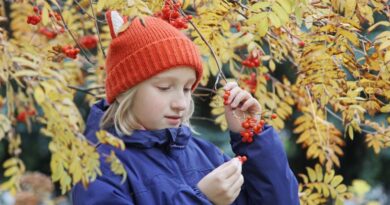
[242,96]
[232,167]
[238,183]
[249,103]
[230,85]
[237,95]
[235,188]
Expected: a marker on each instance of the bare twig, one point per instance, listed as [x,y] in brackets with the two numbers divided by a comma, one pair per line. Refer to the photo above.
[89,15]
[87,91]
[97,29]
[220,73]
[71,34]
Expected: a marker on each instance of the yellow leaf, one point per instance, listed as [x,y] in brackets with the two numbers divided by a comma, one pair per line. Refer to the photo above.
[328,176]
[341,188]
[385,108]
[350,36]
[312,174]
[262,27]
[24,62]
[10,162]
[286,4]
[39,95]
[100,5]
[384,45]
[380,23]
[319,172]
[45,14]
[260,5]
[253,20]
[298,15]
[272,65]
[11,171]
[350,132]
[281,13]
[23,73]
[336,180]
[350,6]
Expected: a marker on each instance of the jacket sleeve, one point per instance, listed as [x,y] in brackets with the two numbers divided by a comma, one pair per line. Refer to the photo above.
[268,178]
[99,192]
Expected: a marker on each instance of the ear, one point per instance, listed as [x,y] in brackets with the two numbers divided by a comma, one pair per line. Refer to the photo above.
[115,22]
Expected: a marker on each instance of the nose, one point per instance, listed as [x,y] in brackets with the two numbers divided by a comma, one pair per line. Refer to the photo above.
[179,102]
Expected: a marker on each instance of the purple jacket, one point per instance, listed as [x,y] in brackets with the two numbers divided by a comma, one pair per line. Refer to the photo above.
[164,167]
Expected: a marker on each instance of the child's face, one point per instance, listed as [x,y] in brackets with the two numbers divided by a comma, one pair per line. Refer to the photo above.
[163,100]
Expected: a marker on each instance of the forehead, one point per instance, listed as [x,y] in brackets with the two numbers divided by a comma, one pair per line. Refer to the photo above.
[179,73]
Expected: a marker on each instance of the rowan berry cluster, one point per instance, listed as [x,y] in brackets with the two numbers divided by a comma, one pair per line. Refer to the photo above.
[251,82]
[22,116]
[171,14]
[70,51]
[89,41]
[36,18]
[251,127]
[50,34]
[251,61]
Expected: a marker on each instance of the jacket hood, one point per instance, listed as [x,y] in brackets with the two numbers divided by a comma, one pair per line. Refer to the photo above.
[174,137]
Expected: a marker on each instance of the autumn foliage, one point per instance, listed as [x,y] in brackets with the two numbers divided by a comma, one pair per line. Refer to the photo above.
[338,52]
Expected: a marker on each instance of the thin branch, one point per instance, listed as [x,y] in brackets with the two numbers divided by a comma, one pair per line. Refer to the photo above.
[71,34]
[97,30]
[220,73]
[239,3]
[206,89]
[89,15]
[87,91]
[314,114]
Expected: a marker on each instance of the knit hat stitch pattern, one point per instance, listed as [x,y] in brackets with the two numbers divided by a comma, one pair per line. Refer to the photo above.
[141,52]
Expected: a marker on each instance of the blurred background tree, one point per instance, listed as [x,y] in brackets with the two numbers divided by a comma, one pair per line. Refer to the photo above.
[320,68]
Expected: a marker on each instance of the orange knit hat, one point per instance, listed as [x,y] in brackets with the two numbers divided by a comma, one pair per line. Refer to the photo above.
[142,51]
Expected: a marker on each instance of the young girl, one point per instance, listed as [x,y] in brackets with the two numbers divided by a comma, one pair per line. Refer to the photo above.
[152,69]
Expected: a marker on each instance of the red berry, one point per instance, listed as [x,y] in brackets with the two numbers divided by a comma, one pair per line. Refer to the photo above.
[88,42]
[301,44]
[243,159]
[256,62]
[245,125]
[36,9]
[273,116]
[22,116]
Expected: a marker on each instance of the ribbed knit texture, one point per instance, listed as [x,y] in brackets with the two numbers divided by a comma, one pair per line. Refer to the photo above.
[141,52]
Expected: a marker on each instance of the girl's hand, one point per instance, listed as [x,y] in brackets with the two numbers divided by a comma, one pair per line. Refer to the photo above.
[240,105]
[223,185]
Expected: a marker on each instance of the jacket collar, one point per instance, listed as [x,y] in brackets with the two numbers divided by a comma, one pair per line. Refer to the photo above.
[174,137]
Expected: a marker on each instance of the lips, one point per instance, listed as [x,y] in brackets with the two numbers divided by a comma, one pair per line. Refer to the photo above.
[173,120]
[173,117]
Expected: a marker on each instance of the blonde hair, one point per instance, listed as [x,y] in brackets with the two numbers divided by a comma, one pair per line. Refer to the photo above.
[119,114]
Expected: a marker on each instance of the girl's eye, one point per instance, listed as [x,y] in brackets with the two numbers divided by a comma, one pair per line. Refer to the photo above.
[163,88]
